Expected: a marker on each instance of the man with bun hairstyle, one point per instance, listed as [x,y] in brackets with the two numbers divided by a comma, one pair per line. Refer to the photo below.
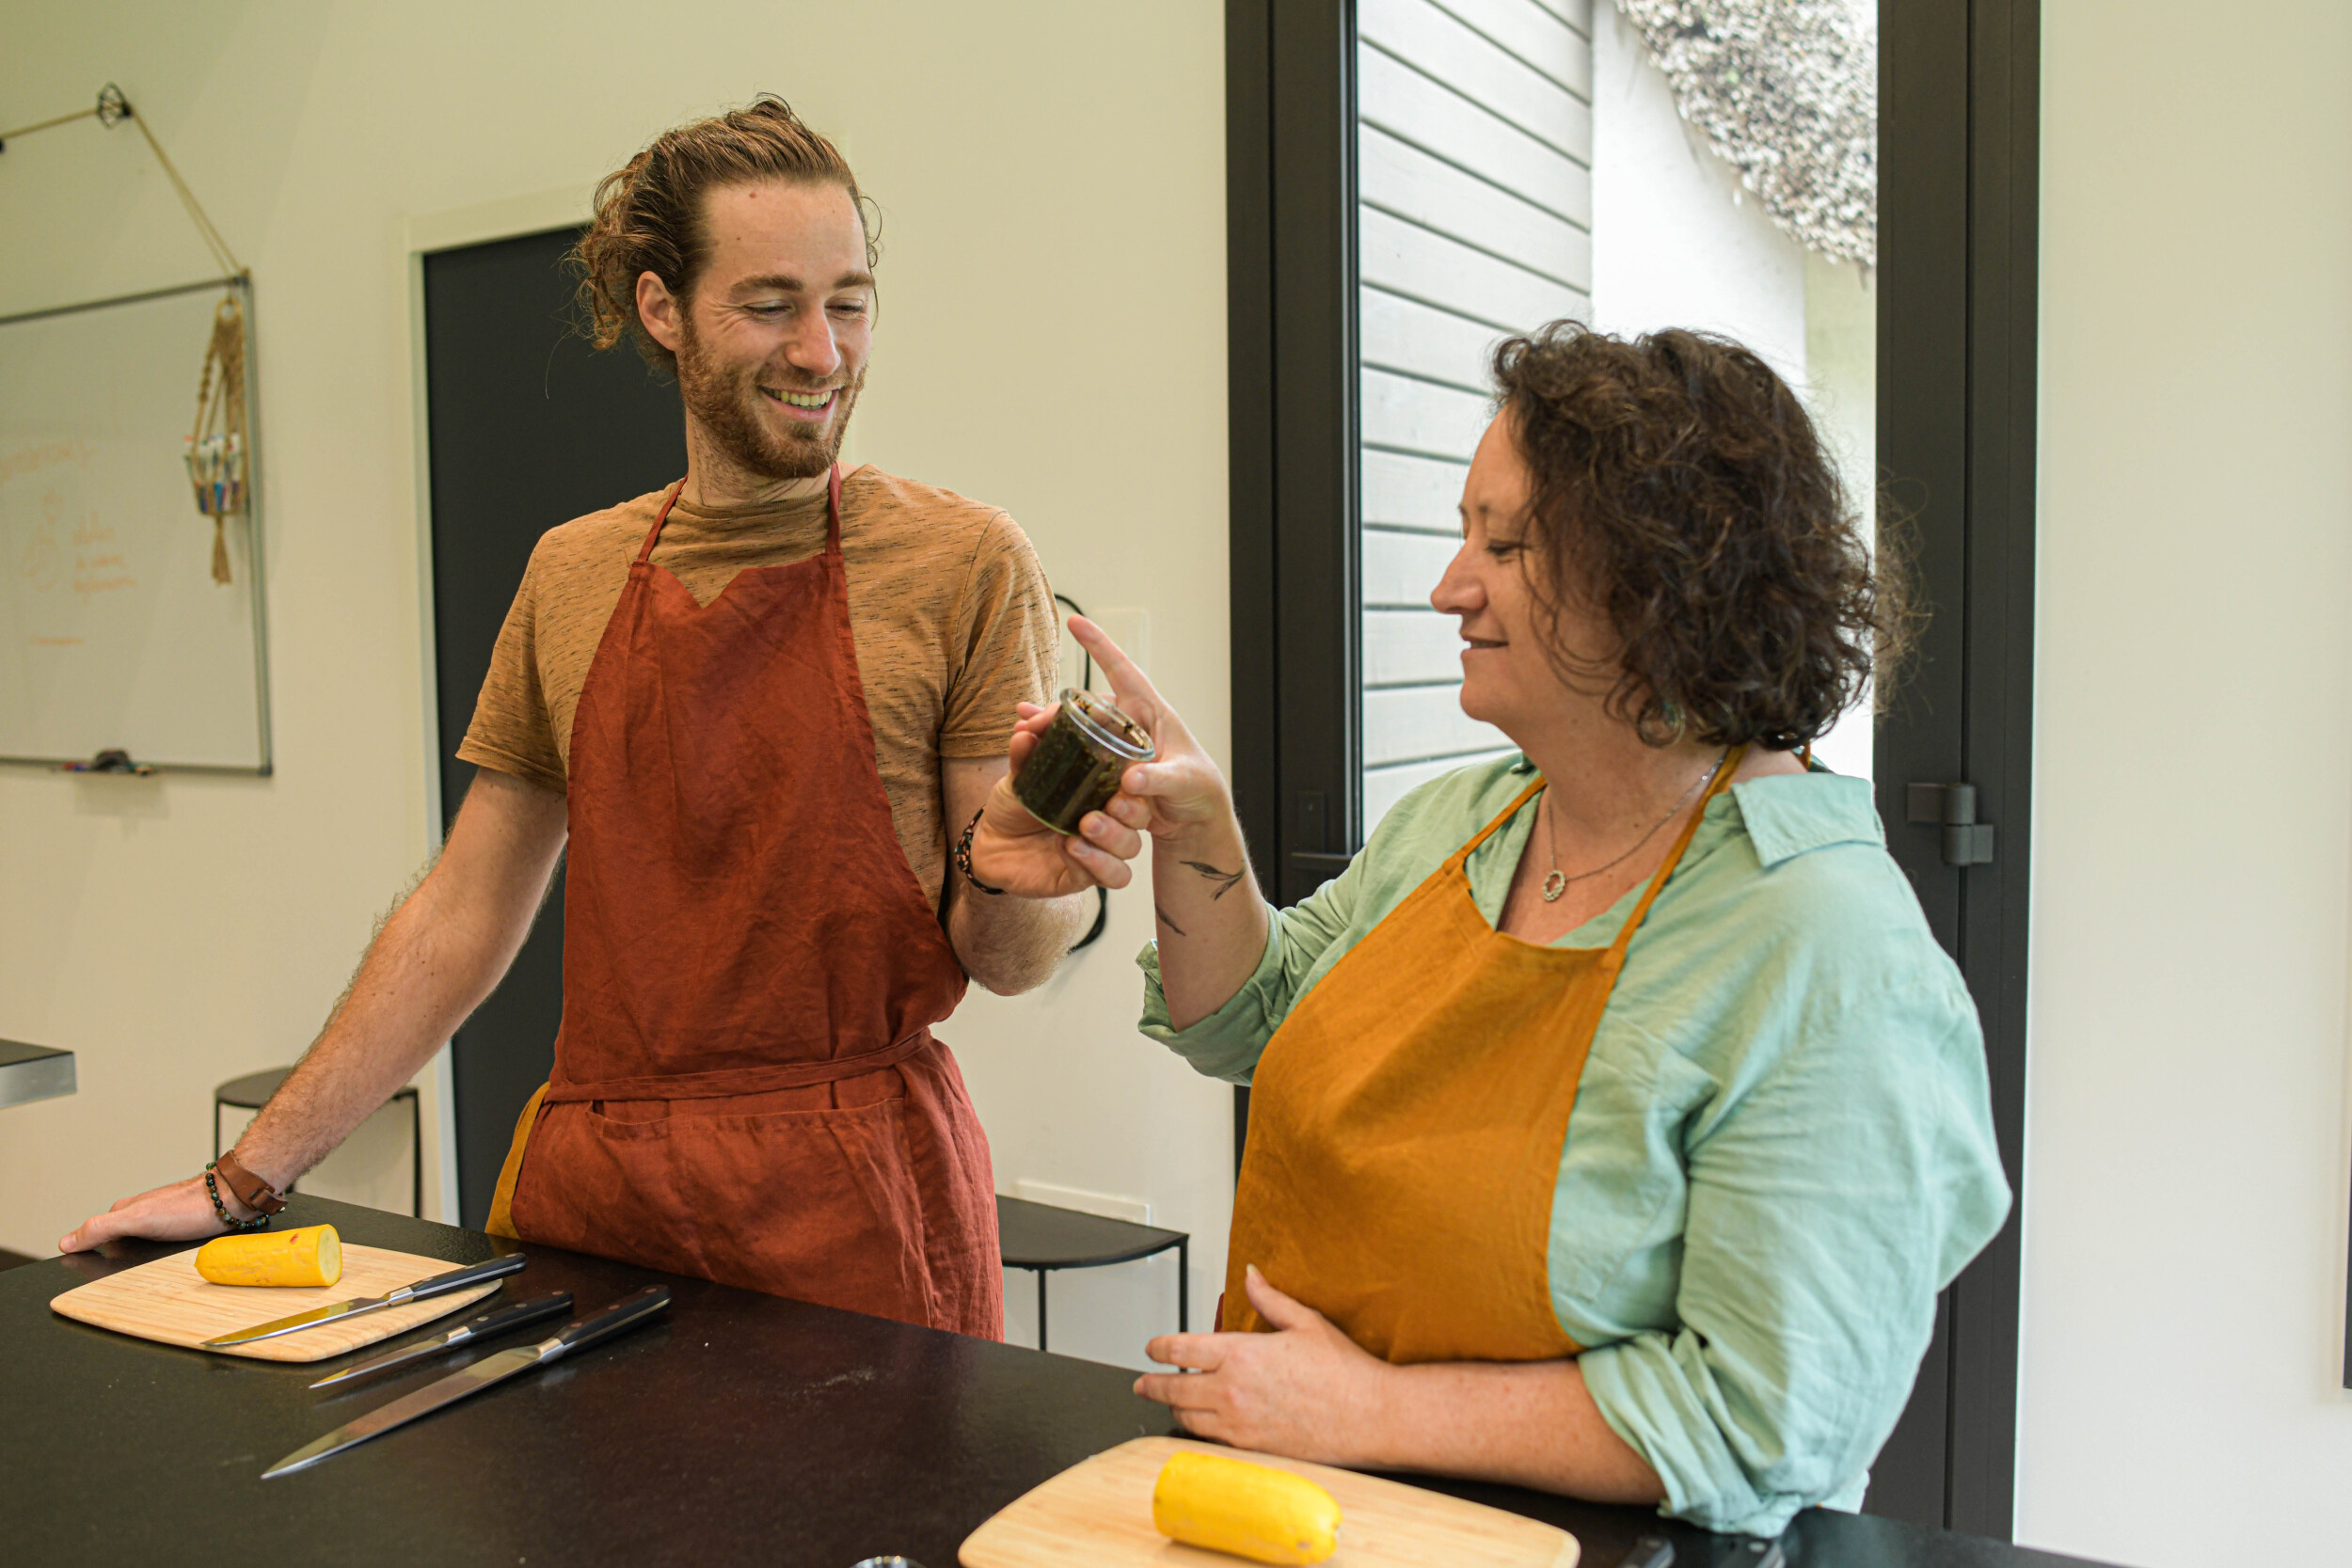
[766,711]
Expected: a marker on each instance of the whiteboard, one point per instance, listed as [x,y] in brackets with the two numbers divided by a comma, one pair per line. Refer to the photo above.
[113,633]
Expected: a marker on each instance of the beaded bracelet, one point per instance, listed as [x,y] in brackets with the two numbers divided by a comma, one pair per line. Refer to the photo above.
[259,1222]
[963,854]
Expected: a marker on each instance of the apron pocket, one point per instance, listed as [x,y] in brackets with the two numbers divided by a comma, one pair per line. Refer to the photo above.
[819,1204]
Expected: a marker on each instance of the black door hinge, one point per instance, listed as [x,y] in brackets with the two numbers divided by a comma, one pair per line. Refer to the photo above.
[1954,807]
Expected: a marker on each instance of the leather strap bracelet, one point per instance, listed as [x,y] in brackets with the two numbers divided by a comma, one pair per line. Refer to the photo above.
[254,1193]
[229,1221]
[962,855]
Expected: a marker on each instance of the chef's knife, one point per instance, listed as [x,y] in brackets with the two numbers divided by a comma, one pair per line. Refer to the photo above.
[440,1284]
[486,1326]
[624,1314]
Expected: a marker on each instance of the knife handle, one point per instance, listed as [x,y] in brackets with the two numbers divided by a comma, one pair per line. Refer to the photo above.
[624,1314]
[511,1317]
[457,1279]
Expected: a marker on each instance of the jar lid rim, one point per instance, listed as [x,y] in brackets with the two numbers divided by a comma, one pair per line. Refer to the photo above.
[1082,706]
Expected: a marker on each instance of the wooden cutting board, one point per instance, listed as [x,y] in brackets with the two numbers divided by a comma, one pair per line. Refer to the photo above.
[167,1301]
[1098,1515]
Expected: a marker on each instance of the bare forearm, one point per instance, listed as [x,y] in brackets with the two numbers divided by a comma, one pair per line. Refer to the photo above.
[1011,945]
[1212,921]
[1531,1424]
[433,961]
[429,966]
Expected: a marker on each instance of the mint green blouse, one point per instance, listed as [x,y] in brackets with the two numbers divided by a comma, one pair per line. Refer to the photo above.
[1782,1148]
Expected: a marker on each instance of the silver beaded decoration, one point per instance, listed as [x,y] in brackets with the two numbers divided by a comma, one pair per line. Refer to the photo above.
[1786,93]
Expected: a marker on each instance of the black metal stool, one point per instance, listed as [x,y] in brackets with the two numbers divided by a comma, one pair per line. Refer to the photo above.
[253,1091]
[1042,1238]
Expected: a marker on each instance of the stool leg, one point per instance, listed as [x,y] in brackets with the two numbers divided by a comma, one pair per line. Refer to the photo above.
[216,1130]
[1184,1286]
[1040,1308]
[416,1154]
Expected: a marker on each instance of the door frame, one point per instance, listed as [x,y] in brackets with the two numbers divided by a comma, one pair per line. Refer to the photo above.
[417,235]
[1959,147]
[1290,157]
[1959,128]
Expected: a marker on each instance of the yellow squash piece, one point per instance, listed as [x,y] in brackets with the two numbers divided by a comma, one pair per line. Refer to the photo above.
[310,1256]
[1252,1511]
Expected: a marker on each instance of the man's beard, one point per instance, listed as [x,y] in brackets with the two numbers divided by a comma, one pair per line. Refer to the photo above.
[729,408]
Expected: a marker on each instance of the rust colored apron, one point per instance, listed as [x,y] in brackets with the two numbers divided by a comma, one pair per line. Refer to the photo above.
[1406,1123]
[746,1087]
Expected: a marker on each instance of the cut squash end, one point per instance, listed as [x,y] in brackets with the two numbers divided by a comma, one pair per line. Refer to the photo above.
[310,1256]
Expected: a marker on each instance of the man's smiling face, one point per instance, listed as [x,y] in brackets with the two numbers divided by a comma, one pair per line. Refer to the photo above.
[771,348]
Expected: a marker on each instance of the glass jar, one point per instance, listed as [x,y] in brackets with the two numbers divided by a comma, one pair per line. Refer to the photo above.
[1079,760]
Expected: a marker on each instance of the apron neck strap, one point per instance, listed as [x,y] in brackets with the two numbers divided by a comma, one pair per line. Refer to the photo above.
[1461,856]
[832,516]
[660,517]
[1725,771]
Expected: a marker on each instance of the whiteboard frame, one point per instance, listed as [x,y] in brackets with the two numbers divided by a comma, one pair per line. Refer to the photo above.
[241,284]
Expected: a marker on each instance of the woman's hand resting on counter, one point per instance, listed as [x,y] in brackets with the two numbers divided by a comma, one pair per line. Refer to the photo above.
[1307,1391]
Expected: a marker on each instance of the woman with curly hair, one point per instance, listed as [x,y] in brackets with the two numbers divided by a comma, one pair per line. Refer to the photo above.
[1616,1119]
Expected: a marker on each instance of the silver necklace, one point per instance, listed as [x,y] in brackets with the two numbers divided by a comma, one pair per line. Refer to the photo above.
[1557,883]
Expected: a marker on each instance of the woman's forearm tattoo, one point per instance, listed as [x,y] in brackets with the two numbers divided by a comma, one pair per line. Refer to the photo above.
[1224,880]
[1165,921]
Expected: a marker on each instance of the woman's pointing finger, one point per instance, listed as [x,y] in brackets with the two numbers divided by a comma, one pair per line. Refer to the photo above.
[1128,680]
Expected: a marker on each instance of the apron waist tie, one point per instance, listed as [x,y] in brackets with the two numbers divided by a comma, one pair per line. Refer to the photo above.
[727,1082]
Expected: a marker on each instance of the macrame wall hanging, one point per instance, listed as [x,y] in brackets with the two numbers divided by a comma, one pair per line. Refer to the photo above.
[217,446]
[1786,92]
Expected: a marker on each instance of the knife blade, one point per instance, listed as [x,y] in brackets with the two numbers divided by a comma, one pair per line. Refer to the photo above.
[626,1313]
[484,1327]
[440,1284]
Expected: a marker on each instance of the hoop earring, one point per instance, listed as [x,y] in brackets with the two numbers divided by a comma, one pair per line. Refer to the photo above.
[1661,724]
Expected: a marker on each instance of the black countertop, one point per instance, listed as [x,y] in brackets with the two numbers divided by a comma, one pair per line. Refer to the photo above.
[739,1428]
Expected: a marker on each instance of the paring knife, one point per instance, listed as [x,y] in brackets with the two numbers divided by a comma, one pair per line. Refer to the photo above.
[490,1323]
[624,1314]
[440,1284]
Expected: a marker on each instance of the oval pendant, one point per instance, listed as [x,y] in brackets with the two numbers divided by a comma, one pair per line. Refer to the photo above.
[1554,885]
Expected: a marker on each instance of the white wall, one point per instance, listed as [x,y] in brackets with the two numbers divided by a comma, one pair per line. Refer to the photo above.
[2186,1154]
[1051,339]
[1841,388]
[1676,240]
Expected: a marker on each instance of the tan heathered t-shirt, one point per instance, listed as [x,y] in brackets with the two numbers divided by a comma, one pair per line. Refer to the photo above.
[948,609]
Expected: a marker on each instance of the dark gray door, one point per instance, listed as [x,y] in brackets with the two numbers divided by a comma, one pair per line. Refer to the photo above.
[529,427]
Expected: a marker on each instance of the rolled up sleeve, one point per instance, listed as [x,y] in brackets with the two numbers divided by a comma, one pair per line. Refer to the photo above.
[1299,941]
[1829,1199]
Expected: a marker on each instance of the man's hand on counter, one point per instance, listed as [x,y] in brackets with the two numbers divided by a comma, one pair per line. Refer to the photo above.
[178,1212]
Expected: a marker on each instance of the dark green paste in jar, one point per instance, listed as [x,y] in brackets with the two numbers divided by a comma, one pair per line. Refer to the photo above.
[1079,760]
